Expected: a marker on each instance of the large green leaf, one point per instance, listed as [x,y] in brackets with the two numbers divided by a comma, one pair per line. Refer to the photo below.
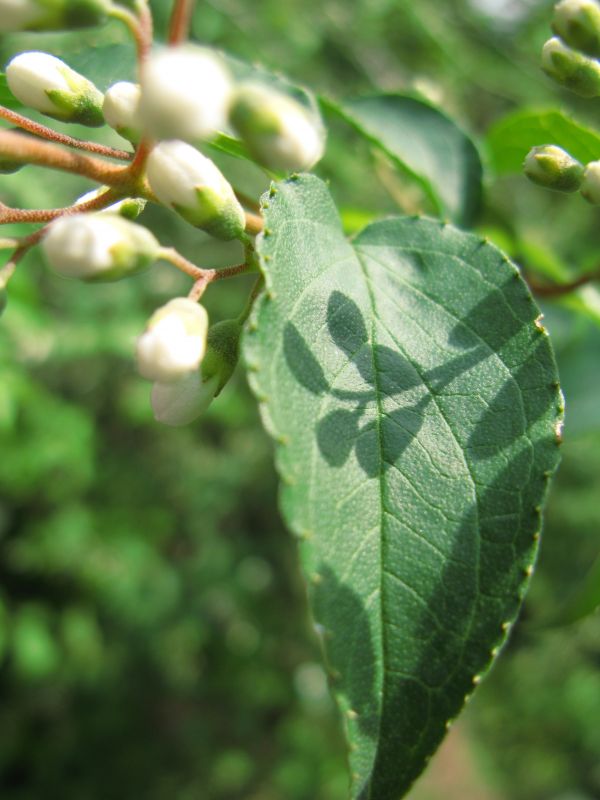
[510,139]
[423,142]
[415,405]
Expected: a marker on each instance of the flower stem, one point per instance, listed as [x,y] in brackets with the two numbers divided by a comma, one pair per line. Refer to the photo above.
[9,215]
[181,18]
[46,154]
[60,138]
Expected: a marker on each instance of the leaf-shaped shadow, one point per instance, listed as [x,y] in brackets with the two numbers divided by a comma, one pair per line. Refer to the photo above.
[304,366]
[337,433]
[343,608]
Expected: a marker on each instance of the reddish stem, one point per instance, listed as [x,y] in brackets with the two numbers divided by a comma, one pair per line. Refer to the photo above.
[60,138]
[559,289]
[46,154]
[181,18]
[10,215]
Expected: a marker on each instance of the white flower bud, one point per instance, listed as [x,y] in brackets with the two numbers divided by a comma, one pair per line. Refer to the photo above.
[590,185]
[185,94]
[181,402]
[188,182]
[47,84]
[98,247]
[277,129]
[174,341]
[50,15]
[121,109]
[129,207]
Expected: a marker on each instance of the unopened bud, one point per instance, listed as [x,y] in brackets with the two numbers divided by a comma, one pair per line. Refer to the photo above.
[577,22]
[129,207]
[47,84]
[277,130]
[554,168]
[185,94]
[121,110]
[98,247]
[577,72]
[51,15]
[590,185]
[180,403]
[188,182]
[174,341]
[222,352]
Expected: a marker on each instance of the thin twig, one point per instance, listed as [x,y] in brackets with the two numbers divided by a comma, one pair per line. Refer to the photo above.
[10,215]
[560,289]
[140,26]
[60,138]
[181,18]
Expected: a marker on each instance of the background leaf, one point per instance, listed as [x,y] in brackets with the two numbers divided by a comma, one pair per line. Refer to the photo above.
[7,98]
[510,139]
[423,142]
[414,402]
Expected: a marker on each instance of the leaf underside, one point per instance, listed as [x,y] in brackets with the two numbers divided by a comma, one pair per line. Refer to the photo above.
[423,142]
[415,403]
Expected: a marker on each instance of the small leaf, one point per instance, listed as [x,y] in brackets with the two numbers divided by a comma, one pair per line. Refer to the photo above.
[415,404]
[7,98]
[423,142]
[510,139]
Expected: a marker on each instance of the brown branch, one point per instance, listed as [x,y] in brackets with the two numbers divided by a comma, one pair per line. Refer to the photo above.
[559,289]
[9,215]
[181,18]
[60,138]
[32,151]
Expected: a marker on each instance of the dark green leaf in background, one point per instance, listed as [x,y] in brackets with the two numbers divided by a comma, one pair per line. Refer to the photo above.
[415,404]
[425,143]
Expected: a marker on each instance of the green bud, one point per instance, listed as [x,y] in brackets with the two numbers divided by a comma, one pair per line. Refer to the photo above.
[590,185]
[222,352]
[552,167]
[129,207]
[577,72]
[577,22]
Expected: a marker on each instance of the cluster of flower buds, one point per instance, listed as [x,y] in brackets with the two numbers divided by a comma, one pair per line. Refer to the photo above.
[185,97]
[571,57]
[552,167]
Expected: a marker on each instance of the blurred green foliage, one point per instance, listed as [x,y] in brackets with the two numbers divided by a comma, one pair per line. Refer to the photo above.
[154,637]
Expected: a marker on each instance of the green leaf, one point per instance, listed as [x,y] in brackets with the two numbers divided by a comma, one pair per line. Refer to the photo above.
[424,143]
[7,98]
[510,139]
[415,405]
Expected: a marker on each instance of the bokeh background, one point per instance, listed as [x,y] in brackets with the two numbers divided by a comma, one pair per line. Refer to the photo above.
[154,636]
